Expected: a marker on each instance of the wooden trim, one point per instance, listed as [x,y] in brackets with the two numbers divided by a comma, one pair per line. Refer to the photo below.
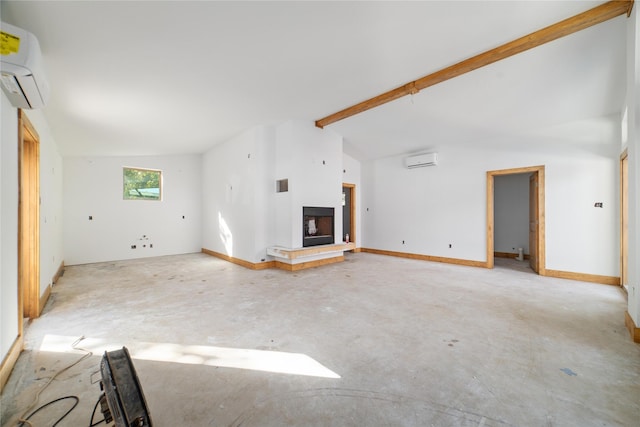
[542,237]
[505,255]
[514,171]
[310,264]
[10,360]
[241,262]
[490,221]
[508,255]
[541,212]
[29,217]
[583,277]
[558,30]
[421,257]
[58,274]
[352,212]
[357,250]
[634,330]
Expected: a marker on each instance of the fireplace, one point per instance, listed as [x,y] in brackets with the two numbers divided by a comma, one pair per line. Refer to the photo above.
[317,226]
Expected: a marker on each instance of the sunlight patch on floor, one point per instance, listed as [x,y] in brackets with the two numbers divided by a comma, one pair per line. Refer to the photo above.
[224,357]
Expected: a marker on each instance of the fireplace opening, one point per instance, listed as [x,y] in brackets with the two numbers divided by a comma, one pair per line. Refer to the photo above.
[317,226]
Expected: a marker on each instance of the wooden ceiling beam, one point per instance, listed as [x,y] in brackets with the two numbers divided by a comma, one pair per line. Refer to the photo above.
[558,30]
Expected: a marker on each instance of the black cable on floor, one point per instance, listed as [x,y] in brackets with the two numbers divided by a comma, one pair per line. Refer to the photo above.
[22,420]
[93,413]
[51,403]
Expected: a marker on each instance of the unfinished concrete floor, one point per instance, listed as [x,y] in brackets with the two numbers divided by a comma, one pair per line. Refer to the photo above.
[372,341]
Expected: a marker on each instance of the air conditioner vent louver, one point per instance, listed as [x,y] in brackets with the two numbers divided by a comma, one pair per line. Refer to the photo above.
[421,160]
[22,77]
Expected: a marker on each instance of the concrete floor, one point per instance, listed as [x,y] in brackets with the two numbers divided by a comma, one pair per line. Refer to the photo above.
[372,341]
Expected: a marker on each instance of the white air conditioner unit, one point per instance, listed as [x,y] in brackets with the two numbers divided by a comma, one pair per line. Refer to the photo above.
[21,72]
[421,160]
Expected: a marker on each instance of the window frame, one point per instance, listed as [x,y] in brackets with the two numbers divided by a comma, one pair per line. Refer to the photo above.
[160,184]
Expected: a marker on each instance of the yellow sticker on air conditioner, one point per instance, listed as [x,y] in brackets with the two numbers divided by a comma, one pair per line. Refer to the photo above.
[9,43]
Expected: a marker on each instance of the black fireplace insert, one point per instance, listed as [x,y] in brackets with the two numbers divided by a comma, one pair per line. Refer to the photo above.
[317,226]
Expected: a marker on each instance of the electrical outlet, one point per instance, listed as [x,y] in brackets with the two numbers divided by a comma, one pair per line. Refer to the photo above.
[133,246]
[598,205]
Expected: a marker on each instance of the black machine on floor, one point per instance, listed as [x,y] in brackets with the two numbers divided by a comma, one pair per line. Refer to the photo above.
[122,401]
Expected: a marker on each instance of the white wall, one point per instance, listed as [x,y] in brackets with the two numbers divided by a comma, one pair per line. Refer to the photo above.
[580,237]
[93,187]
[8,226]
[312,160]
[242,212]
[237,195]
[633,103]
[427,208]
[51,247]
[284,169]
[430,208]
[265,185]
[511,213]
[51,252]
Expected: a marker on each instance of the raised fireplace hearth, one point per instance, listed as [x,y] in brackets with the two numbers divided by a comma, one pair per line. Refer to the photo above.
[318,226]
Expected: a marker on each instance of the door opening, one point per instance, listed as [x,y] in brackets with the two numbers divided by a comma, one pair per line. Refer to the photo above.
[348,213]
[536,216]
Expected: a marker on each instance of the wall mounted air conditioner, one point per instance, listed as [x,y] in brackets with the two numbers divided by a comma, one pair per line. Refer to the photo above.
[421,160]
[21,72]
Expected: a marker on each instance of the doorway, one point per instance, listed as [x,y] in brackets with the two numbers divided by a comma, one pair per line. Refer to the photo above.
[348,213]
[536,215]
[624,219]
[28,220]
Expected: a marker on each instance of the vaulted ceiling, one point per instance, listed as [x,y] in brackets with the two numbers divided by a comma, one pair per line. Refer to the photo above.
[167,77]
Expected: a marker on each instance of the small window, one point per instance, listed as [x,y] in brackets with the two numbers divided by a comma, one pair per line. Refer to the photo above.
[142,184]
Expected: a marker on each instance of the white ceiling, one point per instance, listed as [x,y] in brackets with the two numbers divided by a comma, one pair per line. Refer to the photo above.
[167,77]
